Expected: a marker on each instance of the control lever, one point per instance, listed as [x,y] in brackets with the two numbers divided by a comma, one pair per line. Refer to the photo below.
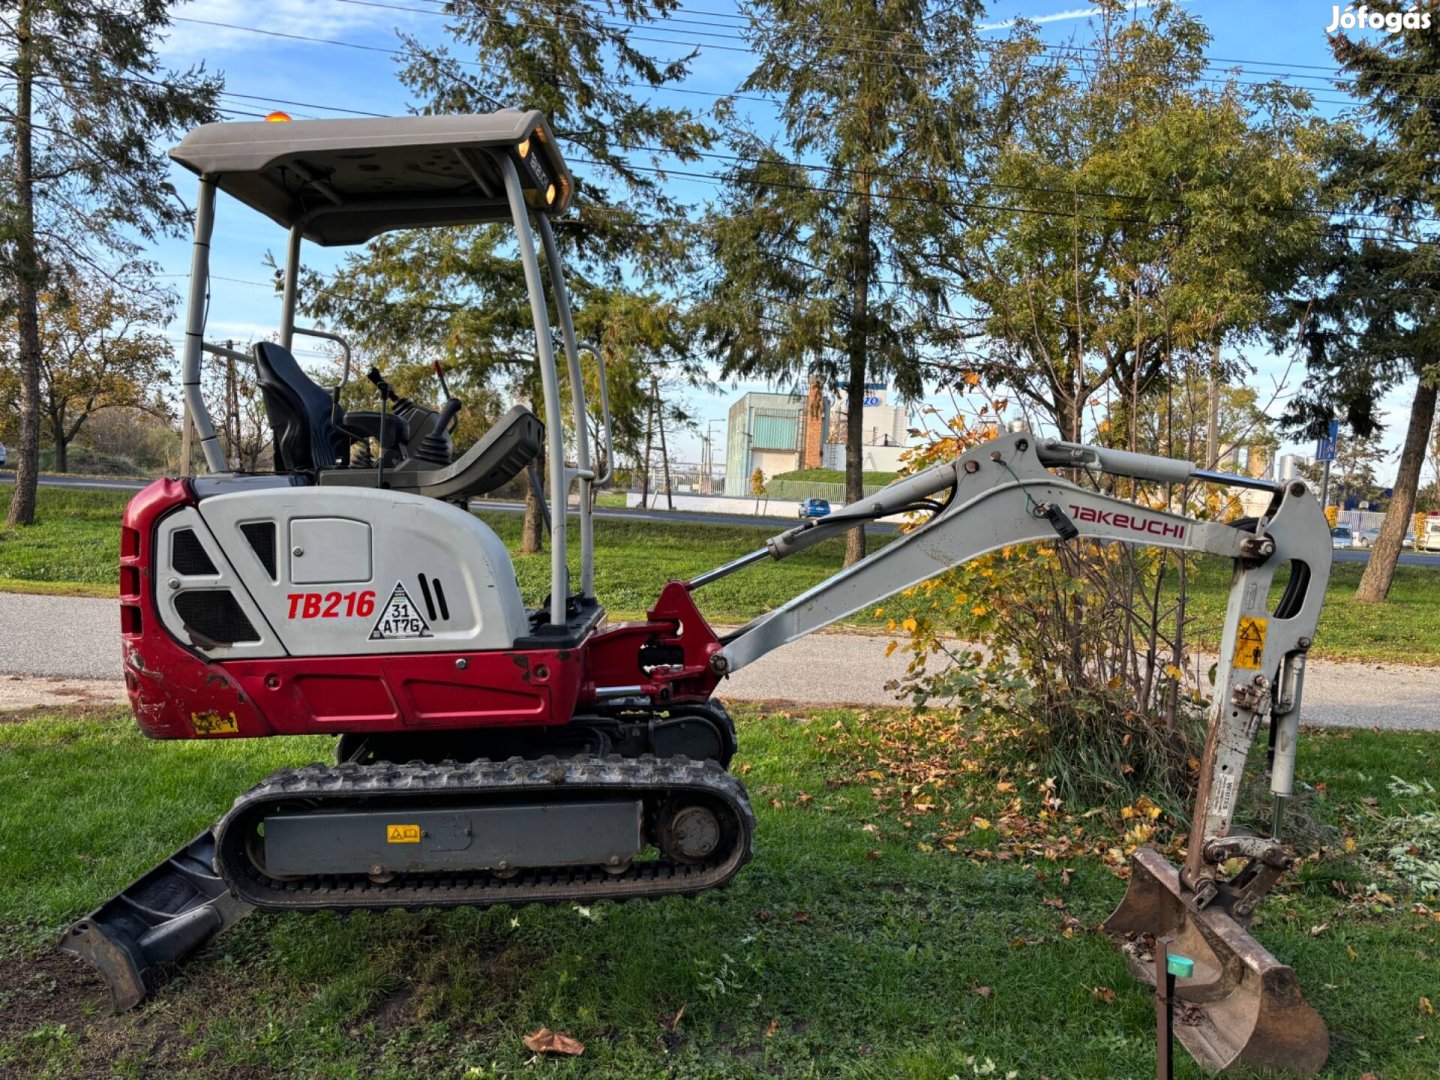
[435,446]
[385,394]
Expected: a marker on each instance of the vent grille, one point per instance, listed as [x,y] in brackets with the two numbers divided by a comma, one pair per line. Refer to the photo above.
[187,556]
[261,535]
[214,618]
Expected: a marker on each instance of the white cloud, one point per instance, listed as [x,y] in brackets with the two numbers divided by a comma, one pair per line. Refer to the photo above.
[1065,16]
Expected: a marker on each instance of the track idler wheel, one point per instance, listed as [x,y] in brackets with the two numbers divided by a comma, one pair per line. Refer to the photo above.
[689,830]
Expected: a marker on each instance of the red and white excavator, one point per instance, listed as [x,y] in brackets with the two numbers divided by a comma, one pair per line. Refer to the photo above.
[488,753]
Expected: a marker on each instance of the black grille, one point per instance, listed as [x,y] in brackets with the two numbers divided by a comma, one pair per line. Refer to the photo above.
[214,617]
[187,556]
[261,535]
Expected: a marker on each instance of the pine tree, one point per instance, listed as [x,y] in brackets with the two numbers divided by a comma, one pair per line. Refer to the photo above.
[824,241]
[458,294]
[1376,314]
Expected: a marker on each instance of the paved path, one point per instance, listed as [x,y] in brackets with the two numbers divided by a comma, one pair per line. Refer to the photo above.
[77,638]
[689,517]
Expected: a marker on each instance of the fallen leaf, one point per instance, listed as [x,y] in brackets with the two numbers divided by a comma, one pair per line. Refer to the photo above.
[875,854]
[1350,952]
[802,916]
[1426,1009]
[1103,993]
[774,1027]
[983,991]
[674,1021]
[546,1041]
[1319,928]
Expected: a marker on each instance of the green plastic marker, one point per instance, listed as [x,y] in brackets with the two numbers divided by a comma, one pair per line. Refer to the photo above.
[1182,967]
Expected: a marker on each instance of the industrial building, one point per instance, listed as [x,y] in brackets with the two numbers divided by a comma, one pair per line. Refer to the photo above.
[780,433]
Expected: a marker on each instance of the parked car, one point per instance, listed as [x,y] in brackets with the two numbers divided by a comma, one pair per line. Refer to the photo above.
[1341,536]
[2,455]
[1366,537]
[1409,540]
[813,508]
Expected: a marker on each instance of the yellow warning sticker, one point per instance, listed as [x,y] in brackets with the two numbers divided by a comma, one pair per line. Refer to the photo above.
[212,723]
[402,834]
[1250,642]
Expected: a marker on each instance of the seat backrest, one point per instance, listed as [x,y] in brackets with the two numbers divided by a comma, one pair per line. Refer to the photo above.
[306,438]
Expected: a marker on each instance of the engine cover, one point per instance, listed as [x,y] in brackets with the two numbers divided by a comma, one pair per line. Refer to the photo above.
[308,571]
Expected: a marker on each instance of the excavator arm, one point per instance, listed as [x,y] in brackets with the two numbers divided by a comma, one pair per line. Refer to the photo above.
[1003,493]
[1244,1005]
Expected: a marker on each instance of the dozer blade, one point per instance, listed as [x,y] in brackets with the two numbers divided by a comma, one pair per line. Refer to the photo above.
[1241,1006]
[135,938]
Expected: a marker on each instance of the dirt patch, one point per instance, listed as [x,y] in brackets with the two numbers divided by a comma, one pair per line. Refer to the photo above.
[55,1018]
[21,696]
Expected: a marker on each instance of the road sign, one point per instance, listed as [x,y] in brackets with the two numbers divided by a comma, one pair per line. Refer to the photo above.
[1325,445]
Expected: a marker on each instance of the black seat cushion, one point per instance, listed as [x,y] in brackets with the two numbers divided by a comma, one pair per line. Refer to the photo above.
[306,438]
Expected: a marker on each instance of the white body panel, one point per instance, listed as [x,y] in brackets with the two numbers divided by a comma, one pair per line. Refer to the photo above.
[356,572]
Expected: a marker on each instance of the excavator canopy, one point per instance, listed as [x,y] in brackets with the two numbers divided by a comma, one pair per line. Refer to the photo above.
[345,181]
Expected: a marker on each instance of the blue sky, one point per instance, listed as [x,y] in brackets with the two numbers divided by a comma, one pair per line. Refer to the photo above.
[1285,38]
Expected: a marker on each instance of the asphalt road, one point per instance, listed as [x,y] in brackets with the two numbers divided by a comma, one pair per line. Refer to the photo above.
[78,638]
[693,517]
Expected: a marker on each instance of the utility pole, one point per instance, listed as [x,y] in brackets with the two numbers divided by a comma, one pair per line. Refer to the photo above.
[710,466]
[645,465]
[664,454]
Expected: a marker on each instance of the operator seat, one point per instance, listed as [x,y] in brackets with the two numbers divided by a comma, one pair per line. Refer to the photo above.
[306,438]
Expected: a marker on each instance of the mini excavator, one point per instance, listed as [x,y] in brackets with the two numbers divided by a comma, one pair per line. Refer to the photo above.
[487,753]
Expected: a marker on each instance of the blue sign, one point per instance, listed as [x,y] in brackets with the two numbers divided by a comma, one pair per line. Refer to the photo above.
[871,401]
[1325,446]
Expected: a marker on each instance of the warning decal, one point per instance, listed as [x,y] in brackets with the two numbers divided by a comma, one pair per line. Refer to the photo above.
[212,723]
[1250,642]
[399,618]
[402,834]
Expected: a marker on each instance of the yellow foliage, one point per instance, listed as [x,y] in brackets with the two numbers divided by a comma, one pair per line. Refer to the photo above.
[1332,515]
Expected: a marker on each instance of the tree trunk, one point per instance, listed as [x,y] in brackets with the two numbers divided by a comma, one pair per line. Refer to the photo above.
[28,276]
[1212,417]
[855,392]
[1380,570]
[532,529]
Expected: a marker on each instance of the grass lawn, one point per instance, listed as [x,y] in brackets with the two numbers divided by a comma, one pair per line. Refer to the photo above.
[887,928]
[73,549]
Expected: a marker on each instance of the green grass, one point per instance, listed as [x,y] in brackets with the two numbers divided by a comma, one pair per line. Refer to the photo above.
[834,476]
[73,549]
[855,945]
[75,539]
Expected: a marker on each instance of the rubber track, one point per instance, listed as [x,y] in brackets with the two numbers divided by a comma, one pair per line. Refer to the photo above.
[410,786]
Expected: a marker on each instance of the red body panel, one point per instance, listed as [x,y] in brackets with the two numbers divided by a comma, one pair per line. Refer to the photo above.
[177,693]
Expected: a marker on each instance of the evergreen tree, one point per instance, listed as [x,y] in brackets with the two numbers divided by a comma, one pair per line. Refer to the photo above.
[825,240]
[458,294]
[1375,315]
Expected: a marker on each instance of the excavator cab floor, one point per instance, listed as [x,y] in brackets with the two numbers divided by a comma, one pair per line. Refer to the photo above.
[1241,1006]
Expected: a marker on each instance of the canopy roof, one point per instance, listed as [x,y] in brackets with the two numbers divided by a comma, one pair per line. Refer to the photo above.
[345,181]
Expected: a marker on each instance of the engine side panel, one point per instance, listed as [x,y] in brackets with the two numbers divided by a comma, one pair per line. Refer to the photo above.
[359,572]
[181,687]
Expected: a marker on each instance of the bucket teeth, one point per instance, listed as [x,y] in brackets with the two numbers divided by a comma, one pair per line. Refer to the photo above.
[1241,1006]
